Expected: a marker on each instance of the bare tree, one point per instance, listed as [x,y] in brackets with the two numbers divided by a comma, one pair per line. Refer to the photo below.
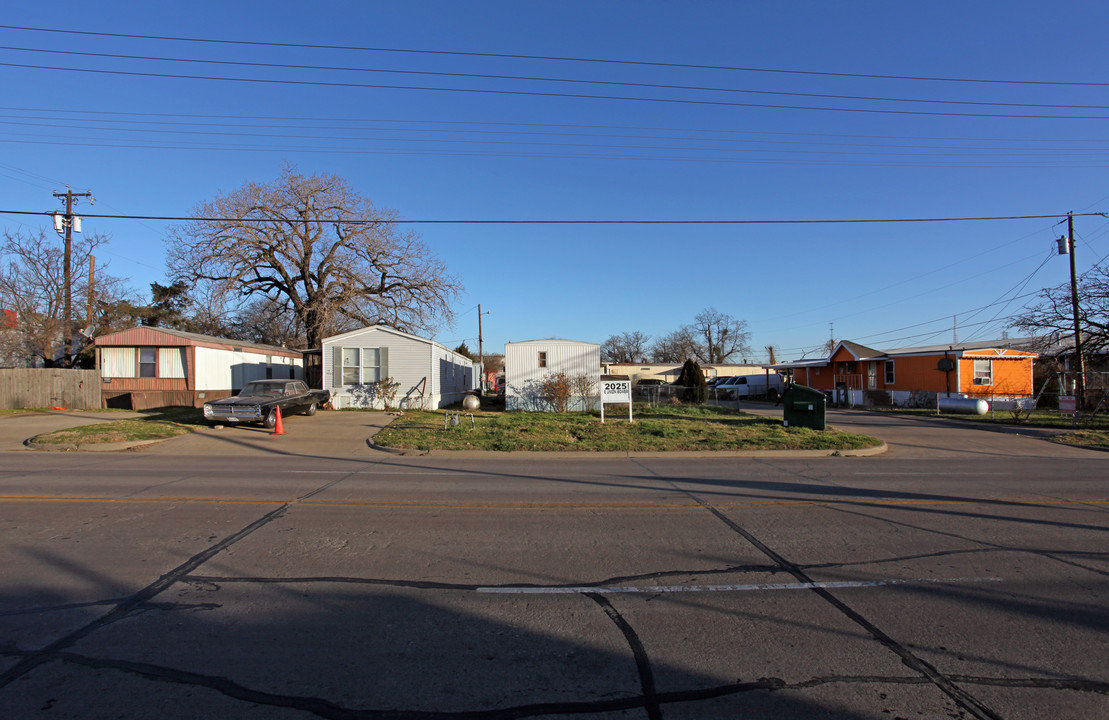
[314,243]
[32,291]
[720,336]
[627,347]
[265,320]
[675,347]
[1053,316]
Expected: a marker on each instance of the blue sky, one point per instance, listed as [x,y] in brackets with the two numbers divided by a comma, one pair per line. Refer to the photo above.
[701,143]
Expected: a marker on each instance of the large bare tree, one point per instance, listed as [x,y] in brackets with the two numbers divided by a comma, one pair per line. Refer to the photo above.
[713,338]
[675,347]
[317,246]
[626,347]
[721,336]
[32,294]
[1052,315]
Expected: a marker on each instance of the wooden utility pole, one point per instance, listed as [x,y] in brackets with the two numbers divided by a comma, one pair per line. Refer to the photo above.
[480,351]
[1080,390]
[92,267]
[67,270]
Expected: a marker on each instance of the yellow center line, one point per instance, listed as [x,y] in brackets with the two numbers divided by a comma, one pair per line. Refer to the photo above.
[659,505]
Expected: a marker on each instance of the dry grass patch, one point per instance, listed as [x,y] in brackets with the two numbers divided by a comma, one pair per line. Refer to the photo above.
[661,429]
[155,425]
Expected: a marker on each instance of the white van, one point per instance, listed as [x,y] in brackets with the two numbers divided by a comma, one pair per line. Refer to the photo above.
[741,386]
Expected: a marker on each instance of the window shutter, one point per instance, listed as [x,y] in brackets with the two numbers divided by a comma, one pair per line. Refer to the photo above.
[336,366]
[383,360]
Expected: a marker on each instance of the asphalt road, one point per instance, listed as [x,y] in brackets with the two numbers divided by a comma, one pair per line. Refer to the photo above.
[962,574]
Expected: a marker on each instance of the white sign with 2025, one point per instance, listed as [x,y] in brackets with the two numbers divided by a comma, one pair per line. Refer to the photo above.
[616,391]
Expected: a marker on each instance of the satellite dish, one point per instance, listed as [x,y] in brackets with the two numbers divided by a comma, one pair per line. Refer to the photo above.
[87,331]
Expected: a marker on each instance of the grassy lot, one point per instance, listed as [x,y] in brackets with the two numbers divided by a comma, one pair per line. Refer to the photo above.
[658,429]
[154,425]
[1085,438]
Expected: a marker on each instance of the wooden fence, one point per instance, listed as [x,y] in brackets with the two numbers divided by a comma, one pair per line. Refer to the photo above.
[48,388]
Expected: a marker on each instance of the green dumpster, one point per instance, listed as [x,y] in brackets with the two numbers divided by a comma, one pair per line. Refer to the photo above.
[803,406]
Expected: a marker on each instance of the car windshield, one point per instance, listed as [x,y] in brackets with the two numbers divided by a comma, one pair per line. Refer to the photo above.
[263,389]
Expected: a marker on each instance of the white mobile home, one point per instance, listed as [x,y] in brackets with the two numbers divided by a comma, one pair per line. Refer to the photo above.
[528,364]
[430,375]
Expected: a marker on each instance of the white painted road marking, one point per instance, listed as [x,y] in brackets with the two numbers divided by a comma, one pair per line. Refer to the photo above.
[653,589]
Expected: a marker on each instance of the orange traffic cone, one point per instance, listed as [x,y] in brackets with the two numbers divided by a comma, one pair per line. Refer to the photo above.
[279,428]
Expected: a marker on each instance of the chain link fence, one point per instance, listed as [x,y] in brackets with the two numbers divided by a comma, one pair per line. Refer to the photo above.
[661,395]
[1055,402]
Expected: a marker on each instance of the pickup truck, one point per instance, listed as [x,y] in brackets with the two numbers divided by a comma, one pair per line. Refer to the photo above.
[259,400]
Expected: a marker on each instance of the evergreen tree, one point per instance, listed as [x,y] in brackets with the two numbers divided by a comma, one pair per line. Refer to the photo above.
[692,382]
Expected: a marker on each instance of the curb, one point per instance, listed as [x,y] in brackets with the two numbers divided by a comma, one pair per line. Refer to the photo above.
[90,447]
[627,454]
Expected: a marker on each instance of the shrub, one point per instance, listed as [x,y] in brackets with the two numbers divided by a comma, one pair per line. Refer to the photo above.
[556,390]
[386,389]
[692,382]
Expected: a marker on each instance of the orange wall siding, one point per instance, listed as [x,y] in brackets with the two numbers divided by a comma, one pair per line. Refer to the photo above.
[820,378]
[920,373]
[1010,377]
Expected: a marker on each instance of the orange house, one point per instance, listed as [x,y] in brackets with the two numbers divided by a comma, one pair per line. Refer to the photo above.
[981,369]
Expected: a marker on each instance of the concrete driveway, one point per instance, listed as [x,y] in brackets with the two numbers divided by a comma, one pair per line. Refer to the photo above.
[331,434]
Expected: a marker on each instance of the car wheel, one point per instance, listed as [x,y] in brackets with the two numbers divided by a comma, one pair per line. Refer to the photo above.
[311,410]
[271,420]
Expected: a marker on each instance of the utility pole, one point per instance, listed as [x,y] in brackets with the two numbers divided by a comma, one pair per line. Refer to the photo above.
[92,267]
[67,271]
[480,350]
[1081,388]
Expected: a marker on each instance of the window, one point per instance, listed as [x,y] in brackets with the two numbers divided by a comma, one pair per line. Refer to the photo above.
[889,372]
[542,359]
[983,372]
[171,362]
[359,366]
[370,367]
[117,362]
[148,362]
[350,366]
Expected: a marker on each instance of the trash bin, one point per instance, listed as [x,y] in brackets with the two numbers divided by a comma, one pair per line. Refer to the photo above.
[803,406]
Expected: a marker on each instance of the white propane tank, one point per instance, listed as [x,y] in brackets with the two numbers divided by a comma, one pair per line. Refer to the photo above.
[968,406]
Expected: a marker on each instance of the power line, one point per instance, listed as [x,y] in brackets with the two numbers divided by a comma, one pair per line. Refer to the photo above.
[583,126]
[1047,163]
[556,58]
[967,151]
[992,153]
[402,221]
[561,95]
[535,78]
